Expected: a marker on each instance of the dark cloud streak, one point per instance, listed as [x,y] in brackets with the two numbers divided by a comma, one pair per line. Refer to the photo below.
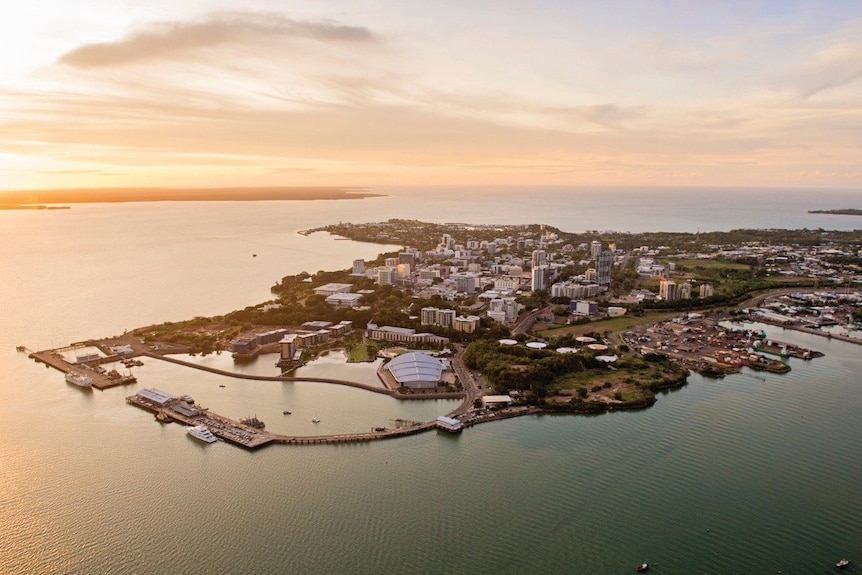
[170,40]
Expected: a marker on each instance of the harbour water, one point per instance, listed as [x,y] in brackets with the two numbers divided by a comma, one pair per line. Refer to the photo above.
[740,475]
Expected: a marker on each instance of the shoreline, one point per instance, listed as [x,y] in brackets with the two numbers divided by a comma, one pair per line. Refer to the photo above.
[32,199]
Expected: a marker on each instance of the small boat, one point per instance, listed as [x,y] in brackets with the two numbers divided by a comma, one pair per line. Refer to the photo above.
[286,412]
[643,568]
[221,385]
[843,563]
[315,420]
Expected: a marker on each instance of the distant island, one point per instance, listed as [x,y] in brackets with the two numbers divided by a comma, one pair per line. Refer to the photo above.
[19,199]
[31,207]
[842,212]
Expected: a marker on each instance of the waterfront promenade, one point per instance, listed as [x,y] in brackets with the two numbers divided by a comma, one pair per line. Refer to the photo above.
[244,435]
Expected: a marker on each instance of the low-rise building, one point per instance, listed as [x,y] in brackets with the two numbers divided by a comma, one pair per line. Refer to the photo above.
[332,288]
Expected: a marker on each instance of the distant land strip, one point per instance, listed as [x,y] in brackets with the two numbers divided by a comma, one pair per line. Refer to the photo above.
[842,212]
[31,207]
[19,199]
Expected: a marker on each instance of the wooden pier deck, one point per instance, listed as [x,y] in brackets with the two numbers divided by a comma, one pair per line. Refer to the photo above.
[101,379]
[221,426]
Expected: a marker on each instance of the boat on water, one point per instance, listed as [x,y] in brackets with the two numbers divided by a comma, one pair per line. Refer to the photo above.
[253,422]
[286,412]
[843,563]
[201,432]
[79,379]
[643,568]
[315,420]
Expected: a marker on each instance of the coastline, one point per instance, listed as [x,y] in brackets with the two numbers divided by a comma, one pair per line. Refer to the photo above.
[32,207]
[27,198]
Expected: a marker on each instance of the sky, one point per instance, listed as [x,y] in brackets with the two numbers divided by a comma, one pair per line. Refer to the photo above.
[200,93]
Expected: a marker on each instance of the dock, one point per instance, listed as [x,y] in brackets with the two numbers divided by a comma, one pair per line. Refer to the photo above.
[102,379]
[168,408]
[221,426]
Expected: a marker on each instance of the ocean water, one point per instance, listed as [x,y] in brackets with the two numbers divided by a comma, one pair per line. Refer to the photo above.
[740,475]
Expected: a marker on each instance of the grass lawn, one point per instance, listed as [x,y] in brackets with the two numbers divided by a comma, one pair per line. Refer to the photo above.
[611,325]
[363,351]
[712,265]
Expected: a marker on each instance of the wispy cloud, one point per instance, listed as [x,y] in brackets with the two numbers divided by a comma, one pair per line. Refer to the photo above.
[172,39]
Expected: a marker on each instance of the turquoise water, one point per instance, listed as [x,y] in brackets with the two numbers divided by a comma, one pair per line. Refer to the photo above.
[721,477]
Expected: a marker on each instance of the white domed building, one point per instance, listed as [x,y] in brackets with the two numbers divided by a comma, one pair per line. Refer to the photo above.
[416,370]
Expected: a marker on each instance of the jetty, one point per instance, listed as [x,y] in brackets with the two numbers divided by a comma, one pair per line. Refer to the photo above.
[168,408]
[101,378]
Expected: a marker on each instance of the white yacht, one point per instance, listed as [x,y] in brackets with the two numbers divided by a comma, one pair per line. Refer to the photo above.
[201,432]
[78,379]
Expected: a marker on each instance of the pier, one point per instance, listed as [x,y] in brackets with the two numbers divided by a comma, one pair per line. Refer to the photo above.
[101,378]
[182,410]
[250,437]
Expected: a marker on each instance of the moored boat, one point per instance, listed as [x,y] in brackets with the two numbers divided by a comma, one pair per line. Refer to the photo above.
[843,563]
[253,422]
[201,432]
[79,379]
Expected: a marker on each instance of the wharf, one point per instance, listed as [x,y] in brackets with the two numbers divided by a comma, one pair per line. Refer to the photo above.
[101,379]
[785,349]
[221,426]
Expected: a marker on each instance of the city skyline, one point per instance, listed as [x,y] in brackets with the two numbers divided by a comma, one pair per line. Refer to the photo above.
[265,93]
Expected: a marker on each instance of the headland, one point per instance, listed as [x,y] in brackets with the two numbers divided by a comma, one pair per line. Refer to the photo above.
[519,319]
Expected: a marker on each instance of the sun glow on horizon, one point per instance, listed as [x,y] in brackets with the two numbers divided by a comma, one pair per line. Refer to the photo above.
[273,94]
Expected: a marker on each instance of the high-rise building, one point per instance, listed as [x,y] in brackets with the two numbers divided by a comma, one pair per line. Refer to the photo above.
[667,290]
[684,290]
[464,282]
[706,290]
[358,268]
[540,276]
[603,267]
[511,307]
[436,316]
[408,258]
[386,275]
[539,258]
[595,249]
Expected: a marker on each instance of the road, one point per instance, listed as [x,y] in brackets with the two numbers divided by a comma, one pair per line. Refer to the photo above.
[473,388]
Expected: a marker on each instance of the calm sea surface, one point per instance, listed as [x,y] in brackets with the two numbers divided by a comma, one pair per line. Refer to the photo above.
[736,476]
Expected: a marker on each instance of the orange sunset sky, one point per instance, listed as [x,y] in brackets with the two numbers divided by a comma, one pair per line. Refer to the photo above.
[113,93]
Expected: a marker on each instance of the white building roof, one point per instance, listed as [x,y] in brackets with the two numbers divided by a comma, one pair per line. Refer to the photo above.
[415,367]
[156,395]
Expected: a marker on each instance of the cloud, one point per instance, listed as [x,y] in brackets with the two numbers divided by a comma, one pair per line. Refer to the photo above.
[171,40]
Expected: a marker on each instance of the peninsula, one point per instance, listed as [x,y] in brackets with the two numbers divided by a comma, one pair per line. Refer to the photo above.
[841,212]
[520,319]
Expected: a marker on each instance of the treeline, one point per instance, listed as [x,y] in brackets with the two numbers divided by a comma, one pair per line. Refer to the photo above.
[521,368]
